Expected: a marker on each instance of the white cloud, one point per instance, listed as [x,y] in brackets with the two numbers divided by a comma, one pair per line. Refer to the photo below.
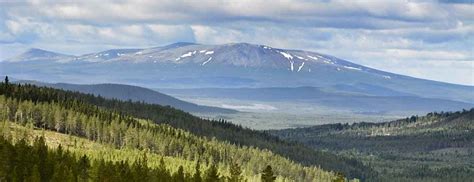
[396,33]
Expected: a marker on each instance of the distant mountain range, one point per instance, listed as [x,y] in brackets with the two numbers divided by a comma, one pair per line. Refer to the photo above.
[236,65]
[134,93]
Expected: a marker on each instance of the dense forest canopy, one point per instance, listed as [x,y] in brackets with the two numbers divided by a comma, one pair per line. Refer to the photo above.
[435,147]
[221,130]
[68,113]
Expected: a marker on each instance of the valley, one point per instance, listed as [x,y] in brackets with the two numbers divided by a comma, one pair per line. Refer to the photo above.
[307,116]
[236,91]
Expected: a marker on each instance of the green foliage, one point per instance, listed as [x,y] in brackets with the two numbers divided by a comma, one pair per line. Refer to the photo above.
[123,131]
[211,174]
[28,165]
[93,108]
[235,173]
[197,173]
[435,147]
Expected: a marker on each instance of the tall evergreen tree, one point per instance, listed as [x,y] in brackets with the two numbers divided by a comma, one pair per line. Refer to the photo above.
[197,173]
[235,173]
[83,168]
[339,177]
[211,174]
[179,175]
[267,174]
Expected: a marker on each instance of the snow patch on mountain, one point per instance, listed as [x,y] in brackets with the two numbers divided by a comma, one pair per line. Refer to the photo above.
[205,62]
[352,68]
[286,55]
[189,54]
[299,57]
[328,62]
[300,67]
[209,52]
[312,57]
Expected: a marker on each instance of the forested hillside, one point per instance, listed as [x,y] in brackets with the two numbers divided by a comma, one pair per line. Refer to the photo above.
[133,93]
[435,147]
[221,131]
[63,112]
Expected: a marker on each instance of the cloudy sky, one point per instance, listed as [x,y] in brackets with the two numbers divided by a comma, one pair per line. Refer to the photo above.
[426,39]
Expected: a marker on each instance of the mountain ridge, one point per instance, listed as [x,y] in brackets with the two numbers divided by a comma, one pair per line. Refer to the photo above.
[133,93]
[189,65]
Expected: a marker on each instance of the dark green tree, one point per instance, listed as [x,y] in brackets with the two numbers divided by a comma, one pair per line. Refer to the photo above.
[339,177]
[179,175]
[235,173]
[83,168]
[211,174]
[197,173]
[267,174]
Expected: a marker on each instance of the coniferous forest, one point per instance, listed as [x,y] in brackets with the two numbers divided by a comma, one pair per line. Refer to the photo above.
[109,138]
[435,147]
[55,135]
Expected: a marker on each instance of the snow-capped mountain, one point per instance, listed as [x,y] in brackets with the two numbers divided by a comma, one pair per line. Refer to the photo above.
[188,65]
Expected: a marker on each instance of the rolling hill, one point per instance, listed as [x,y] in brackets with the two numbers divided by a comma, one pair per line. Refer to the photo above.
[135,94]
[435,147]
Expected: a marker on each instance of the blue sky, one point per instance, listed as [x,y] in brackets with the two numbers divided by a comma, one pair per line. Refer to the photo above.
[425,39]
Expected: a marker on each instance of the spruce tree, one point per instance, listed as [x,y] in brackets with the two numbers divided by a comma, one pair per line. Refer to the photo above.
[339,177]
[267,174]
[83,168]
[235,173]
[211,174]
[179,175]
[197,173]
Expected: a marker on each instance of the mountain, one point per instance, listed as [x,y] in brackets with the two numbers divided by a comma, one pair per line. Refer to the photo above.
[434,147]
[40,55]
[188,65]
[362,98]
[134,93]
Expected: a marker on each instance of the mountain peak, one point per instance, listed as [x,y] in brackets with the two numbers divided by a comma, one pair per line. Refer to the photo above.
[41,52]
[38,54]
[178,44]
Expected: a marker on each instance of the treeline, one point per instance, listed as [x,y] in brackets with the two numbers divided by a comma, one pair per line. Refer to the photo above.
[220,130]
[24,162]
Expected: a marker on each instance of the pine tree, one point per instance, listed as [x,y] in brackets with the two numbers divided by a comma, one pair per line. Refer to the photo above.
[197,173]
[267,174]
[339,177]
[211,174]
[179,175]
[35,175]
[6,81]
[140,169]
[41,150]
[83,167]
[163,174]
[235,173]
